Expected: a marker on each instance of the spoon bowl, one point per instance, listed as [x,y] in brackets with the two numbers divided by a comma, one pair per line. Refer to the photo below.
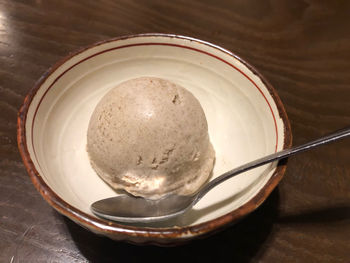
[129,209]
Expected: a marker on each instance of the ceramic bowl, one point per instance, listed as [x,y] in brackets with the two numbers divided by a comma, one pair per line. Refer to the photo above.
[245,116]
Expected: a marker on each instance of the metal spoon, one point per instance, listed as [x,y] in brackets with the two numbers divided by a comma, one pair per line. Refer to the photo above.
[126,208]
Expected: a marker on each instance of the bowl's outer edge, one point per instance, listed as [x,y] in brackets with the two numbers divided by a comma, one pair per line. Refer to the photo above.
[145,235]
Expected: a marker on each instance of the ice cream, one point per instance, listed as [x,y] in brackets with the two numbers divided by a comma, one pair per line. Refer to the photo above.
[149,137]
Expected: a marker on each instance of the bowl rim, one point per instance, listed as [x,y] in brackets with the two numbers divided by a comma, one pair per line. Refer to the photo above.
[176,234]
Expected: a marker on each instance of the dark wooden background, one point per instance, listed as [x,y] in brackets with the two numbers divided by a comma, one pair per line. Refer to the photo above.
[302,48]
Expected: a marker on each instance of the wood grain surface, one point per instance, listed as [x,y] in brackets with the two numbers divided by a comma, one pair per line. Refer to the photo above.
[302,48]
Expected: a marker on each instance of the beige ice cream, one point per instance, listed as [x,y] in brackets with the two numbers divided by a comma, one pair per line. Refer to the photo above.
[149,137]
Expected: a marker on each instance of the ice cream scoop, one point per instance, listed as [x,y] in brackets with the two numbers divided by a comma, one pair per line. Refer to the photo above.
[149,136]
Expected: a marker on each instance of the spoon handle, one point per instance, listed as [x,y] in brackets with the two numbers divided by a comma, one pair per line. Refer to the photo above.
[270,158]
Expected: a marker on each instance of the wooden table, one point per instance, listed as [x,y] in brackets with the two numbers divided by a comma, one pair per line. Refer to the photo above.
[302,48]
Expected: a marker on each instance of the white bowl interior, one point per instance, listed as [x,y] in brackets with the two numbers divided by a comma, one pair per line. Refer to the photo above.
[244,123]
